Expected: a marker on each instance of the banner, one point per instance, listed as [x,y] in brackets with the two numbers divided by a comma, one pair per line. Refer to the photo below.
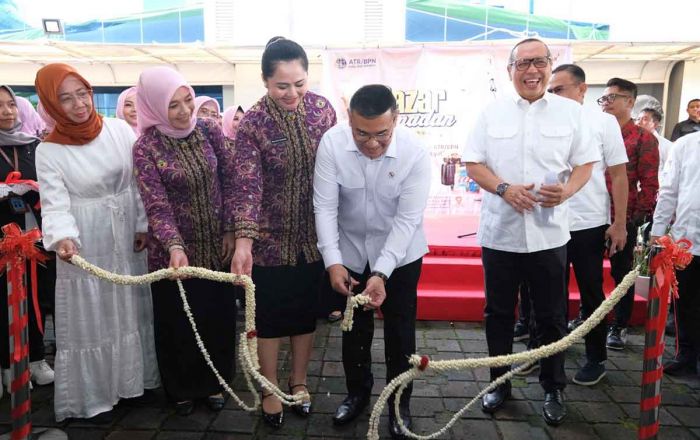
[440,91]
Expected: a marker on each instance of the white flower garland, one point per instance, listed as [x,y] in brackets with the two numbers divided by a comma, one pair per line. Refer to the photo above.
[248,353]
[248,345]
[422,364]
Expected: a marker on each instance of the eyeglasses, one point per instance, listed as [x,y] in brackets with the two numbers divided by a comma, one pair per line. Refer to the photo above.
[524,63]
[610,98]
[71,99]
[558,89]
[206,113]
[364,137]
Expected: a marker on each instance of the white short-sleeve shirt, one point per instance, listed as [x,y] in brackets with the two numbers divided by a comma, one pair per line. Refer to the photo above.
[523,143]
[590,207]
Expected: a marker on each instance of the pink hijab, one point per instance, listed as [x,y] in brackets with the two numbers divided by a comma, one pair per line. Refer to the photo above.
[201,100]
[120,105]
[228,121]
[31,122]
[155,89]
[48,120]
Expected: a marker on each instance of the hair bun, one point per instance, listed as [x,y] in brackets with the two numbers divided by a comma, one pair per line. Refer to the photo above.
[274,40]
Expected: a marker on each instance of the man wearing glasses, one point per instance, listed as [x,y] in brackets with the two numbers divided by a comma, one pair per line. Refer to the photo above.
[530,153]
[642,176]
[590,214]
[371,186]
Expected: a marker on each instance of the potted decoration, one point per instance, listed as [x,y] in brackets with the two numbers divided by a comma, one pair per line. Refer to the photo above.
[641,259]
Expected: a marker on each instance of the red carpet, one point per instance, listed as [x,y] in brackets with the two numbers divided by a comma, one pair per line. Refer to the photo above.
[451,286]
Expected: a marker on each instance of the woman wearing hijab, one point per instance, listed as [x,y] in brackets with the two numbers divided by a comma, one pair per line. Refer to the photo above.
[90,205]
[183,167]
[275,230]
[231,121]
[31,122]
[17,150]
[206,107]
[126,108]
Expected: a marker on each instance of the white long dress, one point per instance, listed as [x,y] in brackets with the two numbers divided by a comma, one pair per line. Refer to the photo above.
[104,332]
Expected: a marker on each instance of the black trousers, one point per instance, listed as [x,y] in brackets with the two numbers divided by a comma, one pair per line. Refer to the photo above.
[585,253]
[544,272]
[526,314]
[620,265]
[399,310]
[688,311]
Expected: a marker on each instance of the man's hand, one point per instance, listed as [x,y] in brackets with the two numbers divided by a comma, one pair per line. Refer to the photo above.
[654,239]
[617,234]
[140,241]
[520,197]
[376,291]
[66,249]
[552,195]
[341,281]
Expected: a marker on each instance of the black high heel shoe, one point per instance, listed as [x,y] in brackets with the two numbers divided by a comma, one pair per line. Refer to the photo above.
[216,402]
[184,408]
[273,420]
[304,409]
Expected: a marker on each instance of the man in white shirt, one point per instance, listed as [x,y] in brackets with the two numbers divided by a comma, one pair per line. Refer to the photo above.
[371,186]
[650,118]
[589,212]
[519,143]
[678,196]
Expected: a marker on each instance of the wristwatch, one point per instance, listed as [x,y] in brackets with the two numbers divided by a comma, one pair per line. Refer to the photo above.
[502,188]
[376,273]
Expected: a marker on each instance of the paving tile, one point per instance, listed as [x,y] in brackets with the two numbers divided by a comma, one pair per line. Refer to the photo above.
[235,421]
[594,412]
[511,430]
[130,435]
[688,416]
[144,418]
[179,435]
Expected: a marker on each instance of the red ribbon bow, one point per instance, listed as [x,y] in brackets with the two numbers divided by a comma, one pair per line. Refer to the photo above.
[15,178]
[674,255]
[15,248]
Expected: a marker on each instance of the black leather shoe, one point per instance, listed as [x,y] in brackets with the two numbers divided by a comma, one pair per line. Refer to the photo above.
[492,401]
[304,409]
[184,408]
[554,410]
[273,420]
[394,427]
[351,407]
[216,403]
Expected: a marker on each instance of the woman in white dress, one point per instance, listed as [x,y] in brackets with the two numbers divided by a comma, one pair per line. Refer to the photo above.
[90,205]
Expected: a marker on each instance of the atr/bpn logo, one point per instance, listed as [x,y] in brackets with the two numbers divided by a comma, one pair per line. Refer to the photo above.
[342,63]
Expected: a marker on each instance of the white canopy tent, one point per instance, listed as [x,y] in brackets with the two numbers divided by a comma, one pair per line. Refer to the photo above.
[236,66]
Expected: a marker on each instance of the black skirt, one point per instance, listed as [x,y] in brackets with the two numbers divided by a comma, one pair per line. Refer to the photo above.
[184,373]
[286,298]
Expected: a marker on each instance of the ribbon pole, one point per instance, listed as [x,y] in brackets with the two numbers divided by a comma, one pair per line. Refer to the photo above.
[16,247]
[652,369]
[664,259]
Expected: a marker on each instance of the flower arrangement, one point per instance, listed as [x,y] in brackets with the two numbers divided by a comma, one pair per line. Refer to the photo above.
[641,251]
